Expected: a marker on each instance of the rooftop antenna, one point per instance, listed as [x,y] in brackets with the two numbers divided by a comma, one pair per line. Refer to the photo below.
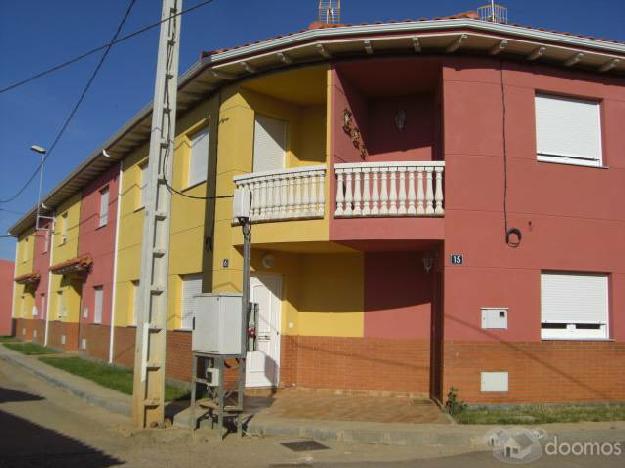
[493,13]
[330,11]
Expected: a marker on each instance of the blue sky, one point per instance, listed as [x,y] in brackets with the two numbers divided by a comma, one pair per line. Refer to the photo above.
[36,34]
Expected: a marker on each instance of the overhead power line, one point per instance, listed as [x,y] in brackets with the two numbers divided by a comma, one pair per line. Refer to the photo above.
[74,110]
[90,52]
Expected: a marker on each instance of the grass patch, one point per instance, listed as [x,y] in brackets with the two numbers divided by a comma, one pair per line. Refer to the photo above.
[29,348]
[541,414]
[115,378]
[4,339]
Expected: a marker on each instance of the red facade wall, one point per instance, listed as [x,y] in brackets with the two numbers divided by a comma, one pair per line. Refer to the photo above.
[374,91]
[6,296]
[568,216]
[99,243]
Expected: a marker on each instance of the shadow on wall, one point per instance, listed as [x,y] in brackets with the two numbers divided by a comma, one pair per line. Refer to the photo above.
[533,358]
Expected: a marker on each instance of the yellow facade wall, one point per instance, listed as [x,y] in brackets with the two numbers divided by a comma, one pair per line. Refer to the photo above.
[130,230]
[322,293]
[23,295]
[187,224]
[306,145]
[65,292]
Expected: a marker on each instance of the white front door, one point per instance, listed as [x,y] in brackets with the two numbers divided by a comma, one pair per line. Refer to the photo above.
[263,364]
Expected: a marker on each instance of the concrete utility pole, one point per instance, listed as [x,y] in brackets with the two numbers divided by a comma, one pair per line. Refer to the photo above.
[148,393]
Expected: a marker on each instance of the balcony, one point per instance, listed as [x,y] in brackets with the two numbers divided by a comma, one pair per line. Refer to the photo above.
[285,194]
[363,189]
[389,189]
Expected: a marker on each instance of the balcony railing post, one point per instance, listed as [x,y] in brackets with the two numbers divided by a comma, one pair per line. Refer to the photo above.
[375,195]
[402,210]
[384,191]
[322,194]
[348,193]
[340,197]
[392,196]
[429,193]
[357,193]
[412,210]
[438,194]
[366,196]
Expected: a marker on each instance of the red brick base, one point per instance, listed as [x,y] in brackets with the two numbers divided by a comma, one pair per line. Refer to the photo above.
[355,363]
[124,349]
[96,338]
[549,371]
[30,330]
[58,329]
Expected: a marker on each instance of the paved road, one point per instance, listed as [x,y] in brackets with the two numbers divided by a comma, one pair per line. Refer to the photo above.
[42,426]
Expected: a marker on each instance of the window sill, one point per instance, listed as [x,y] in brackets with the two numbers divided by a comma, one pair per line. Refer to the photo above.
[577,339]
[568,163]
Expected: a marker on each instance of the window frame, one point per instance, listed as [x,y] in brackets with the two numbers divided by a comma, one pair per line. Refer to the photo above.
[191,182]
[103,215]
[143,167]
[134,284]
[564,158]
[63,231]
[98,291]
[183,313]
[576,330]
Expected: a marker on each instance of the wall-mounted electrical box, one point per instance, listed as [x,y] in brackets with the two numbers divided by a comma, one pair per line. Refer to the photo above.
[217,323]
[493,317]
[494,382]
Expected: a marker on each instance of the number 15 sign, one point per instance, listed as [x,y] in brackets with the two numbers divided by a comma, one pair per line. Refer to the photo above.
[457,259]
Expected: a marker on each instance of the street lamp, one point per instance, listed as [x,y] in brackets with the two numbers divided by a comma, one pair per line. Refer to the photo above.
[40,150]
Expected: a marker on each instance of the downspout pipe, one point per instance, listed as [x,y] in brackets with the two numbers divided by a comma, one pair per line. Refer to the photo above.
[115,253]
[48,291]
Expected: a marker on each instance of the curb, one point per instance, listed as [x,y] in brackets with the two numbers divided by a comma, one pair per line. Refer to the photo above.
[40,371]
[369,433]
[359,432]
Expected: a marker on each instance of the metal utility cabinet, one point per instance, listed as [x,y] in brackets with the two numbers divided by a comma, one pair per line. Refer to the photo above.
[218,321]
[219,342]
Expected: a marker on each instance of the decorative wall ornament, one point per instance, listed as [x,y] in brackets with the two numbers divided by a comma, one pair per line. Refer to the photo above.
[400,119]
[354,133]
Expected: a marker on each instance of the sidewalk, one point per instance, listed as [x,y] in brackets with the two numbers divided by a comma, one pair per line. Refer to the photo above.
[91,392]
[276,418]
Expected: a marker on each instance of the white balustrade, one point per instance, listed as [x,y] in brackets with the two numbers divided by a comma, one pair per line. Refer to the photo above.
[397,188]
[297,193]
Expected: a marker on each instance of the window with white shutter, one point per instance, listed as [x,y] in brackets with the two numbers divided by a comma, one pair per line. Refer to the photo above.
[98,301]
[269,144]
[191,286]
[198,159]
[135,302]
[574,306]
[60,305]
[143,182]
[104,206]
[568,130]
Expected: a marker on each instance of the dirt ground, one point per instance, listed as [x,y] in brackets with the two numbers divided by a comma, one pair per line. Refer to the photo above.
[42,426]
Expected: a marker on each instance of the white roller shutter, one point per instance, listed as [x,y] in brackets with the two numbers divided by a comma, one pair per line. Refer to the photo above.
[98,299]
[574,298]
[198,161]
[269,144]
[104,206]
[568,130]
[191,286]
